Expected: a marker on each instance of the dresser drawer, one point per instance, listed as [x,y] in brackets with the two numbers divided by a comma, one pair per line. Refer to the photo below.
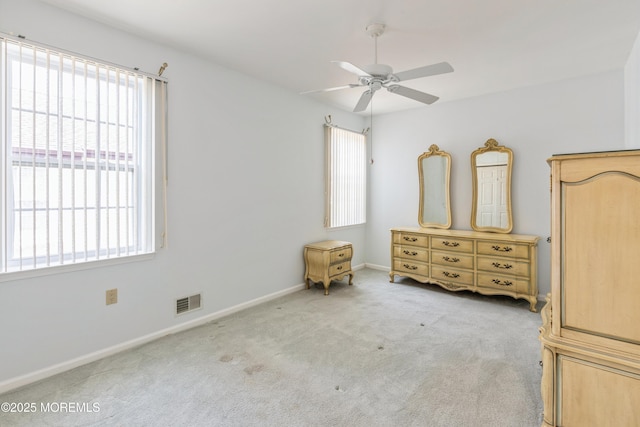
[411,239]
[504,283]
[341,268]
[342,254]
[504,266]
[456,260]
[446,274]
[452,244]
[504,249]
[410,252]
[411,266]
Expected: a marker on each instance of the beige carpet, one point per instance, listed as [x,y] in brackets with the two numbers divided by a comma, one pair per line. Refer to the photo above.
[372,354]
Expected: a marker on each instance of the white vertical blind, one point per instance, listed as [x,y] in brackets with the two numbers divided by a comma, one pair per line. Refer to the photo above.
[346,153]
[78,157]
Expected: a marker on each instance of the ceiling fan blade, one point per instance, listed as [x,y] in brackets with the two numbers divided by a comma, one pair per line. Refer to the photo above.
[352,68]
[428,70]
[364,101]
[331,89]
[416,95]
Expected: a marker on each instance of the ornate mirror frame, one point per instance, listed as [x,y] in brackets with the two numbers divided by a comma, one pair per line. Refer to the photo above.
[434,170]
[496,163]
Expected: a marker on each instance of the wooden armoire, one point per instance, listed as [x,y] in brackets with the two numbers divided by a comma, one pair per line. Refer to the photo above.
[591,323]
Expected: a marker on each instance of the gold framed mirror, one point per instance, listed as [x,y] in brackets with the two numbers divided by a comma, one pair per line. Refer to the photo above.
[434,170]
[491,168]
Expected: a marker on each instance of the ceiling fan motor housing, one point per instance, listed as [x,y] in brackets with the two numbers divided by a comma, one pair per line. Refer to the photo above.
[378,70]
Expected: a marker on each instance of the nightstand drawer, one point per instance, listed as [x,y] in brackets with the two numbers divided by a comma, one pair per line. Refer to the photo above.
[337,269]
[341,255]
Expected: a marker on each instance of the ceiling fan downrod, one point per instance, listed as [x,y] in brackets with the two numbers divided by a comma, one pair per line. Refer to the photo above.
[375,70]
[375,30]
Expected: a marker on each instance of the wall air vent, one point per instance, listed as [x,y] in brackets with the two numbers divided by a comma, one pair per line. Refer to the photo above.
[187,304]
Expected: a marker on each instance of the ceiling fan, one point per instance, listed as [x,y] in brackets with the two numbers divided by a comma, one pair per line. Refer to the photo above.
[377,76]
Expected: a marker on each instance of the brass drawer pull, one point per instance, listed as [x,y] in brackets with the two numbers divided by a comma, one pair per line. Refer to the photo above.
[410,267]
[501,249]
[505,266]
[501,283]
[340,255]
[447,274]
[339,268]
[446,258]
[412,253]
[453,244]
[410,239]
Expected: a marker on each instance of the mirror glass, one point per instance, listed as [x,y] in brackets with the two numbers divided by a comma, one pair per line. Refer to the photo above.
[491,169]
[434,169]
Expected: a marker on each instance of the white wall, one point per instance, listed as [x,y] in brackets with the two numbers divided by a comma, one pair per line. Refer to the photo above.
[576,115]
[632,97]
[245,194]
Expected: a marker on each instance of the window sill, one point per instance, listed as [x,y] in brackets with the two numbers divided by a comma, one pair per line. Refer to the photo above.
[346,227]
[57,269]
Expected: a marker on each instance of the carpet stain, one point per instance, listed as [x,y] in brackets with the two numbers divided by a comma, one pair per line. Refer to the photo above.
[249,370]
[226,358]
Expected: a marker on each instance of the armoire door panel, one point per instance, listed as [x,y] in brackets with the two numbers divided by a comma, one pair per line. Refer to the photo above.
[597,395]
[602,248]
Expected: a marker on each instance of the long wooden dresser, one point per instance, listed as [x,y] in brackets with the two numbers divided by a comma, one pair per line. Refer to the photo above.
[590,334]
[487,263]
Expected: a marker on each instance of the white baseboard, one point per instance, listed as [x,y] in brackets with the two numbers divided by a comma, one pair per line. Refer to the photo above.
[377,267]
[14,383]
[358,267]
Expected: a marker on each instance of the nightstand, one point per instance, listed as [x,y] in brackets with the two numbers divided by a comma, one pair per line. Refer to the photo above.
[326,261]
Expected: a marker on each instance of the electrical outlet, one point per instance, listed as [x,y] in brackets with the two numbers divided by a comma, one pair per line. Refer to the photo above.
[112,296]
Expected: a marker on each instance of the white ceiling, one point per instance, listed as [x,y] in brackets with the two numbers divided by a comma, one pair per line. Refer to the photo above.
[493,45]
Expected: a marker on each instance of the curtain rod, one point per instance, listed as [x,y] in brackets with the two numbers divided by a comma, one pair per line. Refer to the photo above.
[327,122]
[22,39]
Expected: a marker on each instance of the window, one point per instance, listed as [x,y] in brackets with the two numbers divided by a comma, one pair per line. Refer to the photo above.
[78,144]
[346,177]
